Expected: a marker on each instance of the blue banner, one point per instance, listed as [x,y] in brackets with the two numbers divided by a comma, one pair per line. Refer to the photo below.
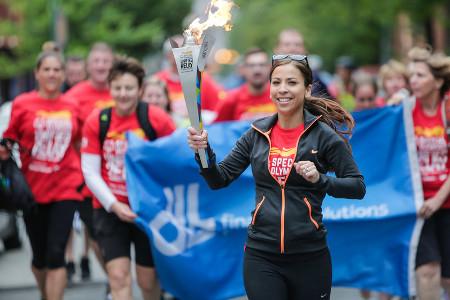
[373,242]
[198,234]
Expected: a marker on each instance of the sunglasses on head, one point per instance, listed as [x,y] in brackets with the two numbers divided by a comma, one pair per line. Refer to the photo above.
[295,57]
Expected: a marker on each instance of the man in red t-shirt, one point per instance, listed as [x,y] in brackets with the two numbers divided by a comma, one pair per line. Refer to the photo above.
[290,41]
[94,93]
[211,92]
[75,72]
[90,95]
[251,100]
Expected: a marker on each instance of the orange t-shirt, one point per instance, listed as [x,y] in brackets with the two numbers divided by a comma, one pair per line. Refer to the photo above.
[115,145]
[47,129]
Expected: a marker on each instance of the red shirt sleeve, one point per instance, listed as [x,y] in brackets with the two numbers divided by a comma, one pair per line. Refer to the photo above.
[76,111]
[212,93]
[91,142]
[160,121]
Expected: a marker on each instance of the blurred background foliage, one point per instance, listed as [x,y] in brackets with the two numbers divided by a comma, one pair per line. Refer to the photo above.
[364,29]
[132,27]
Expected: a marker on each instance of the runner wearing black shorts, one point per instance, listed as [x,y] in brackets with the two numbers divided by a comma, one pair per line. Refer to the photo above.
[115,237]
[48,228]
[429,77]
[103,152]
[45,124]
[434,242]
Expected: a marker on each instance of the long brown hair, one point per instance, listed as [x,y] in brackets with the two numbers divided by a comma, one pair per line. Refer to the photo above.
[333,114]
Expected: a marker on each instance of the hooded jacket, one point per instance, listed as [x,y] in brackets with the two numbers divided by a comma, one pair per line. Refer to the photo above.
[288,216]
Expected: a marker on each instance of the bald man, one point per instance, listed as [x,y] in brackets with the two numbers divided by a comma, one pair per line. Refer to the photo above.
[290,41]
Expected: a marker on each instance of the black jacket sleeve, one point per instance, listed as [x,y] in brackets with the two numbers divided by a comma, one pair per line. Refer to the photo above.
[348,183]
[222,174]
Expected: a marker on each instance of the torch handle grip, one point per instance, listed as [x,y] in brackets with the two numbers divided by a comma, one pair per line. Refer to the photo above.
[203,159]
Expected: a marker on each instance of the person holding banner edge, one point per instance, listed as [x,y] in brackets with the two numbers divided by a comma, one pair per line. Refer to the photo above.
[429,80]
[286,255]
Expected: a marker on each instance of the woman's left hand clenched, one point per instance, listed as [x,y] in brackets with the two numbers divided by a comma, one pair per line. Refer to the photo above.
[429,207]
[308,170]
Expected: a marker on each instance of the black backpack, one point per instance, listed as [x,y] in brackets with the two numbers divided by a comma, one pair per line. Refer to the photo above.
[15,193]
[142,116]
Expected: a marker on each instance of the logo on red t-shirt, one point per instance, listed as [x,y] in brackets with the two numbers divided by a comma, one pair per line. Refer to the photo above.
[432,152]
[283,150]
[281,161]
[52,135]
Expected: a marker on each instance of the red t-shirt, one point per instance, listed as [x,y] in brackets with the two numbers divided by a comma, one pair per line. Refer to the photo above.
[283,150]
[89,98]
[115,145]
[432,150]
[47,129]
[211,93]
[240,104]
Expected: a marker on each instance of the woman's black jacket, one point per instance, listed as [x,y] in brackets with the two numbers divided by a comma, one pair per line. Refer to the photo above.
[288,217]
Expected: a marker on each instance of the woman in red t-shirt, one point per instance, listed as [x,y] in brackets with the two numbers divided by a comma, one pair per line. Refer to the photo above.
[430,80]
[45,124]
[104,173]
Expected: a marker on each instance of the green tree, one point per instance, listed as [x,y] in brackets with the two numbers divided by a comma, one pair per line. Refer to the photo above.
[32,28]
[131,27]
[331,28]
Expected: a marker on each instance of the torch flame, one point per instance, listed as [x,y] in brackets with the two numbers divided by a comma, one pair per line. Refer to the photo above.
[218,14]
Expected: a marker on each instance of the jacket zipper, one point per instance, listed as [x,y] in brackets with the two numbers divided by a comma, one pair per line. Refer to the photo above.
[257,210]
[310,212]
[282,185]
[283,207]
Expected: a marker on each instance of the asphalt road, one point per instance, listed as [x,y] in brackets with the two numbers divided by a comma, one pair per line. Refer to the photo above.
[17,282]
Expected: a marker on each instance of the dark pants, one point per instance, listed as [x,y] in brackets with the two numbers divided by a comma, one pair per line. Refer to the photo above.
[305,276]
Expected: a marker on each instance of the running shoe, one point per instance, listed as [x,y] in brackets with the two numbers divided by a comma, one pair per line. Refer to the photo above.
[70,269]
[85,268]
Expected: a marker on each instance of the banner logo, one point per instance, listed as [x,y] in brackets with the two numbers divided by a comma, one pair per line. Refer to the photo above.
[182,216]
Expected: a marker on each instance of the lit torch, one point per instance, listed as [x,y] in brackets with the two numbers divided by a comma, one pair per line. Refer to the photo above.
[191,59]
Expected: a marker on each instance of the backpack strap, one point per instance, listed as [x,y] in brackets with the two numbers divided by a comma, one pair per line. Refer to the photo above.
[144,122]
[142,116]
[105,121]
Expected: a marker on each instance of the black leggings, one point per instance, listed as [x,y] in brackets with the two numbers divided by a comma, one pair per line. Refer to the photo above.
[48,229]
[305,276]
